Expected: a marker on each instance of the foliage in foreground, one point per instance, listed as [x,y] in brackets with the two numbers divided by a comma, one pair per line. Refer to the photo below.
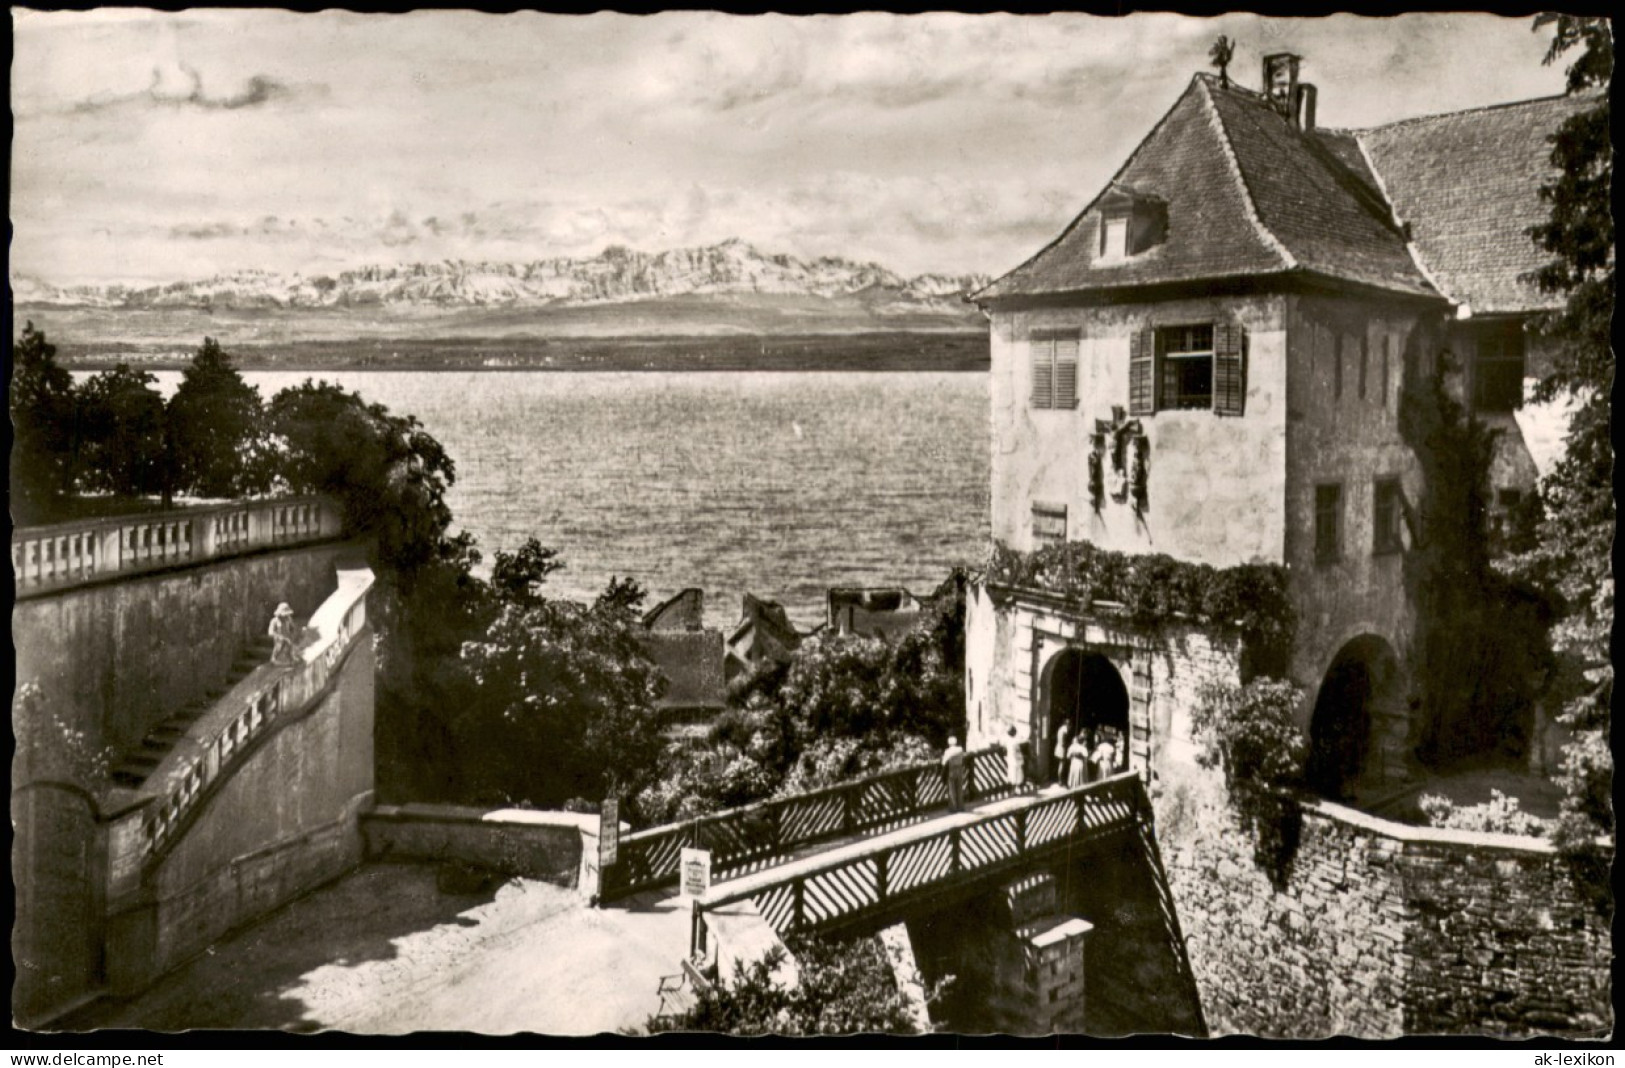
[847,987]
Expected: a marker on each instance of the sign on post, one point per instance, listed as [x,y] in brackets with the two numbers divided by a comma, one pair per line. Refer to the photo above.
[609,833]
[696,873]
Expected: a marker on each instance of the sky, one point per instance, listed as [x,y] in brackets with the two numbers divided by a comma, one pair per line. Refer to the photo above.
[151,147]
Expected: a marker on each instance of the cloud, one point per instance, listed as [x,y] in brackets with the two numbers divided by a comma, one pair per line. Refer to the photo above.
[180,86]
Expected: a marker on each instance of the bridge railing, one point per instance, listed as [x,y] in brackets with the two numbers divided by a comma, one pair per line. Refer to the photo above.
[750,836]
[51,558]
[846,886]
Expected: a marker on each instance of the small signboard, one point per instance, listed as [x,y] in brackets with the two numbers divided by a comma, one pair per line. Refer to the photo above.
[609,833]
[696,873]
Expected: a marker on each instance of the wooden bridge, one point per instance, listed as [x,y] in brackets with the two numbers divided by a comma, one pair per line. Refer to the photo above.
[849,853]
[752,837]
[952,855]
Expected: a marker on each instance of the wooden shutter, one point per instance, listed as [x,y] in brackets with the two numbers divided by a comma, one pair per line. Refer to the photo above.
[1043,369]
[1229,369]
[1066,372]
[1142,372]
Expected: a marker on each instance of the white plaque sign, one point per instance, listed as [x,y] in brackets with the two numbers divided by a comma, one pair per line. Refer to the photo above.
[695,868]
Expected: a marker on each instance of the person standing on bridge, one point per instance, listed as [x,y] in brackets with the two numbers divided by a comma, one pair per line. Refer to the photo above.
[953,763]
[1105,756]
[1077,756]
[1015,764]
[1058,770]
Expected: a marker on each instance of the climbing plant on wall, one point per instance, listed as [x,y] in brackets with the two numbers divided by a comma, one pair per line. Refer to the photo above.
[1251,732]
[1157,589]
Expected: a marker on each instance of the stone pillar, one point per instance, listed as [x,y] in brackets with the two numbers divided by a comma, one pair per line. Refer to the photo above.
[1038,980]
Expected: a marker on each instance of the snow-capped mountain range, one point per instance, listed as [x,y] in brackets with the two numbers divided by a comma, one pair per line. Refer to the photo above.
[731,269]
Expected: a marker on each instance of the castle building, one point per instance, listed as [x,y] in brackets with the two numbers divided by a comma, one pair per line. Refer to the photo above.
[1209,362]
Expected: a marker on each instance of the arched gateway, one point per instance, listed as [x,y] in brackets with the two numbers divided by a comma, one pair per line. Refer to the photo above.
[1083,690]
[1357,734]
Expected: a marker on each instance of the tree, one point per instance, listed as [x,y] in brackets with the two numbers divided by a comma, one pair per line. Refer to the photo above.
[217,441]
[557,703]
[44,422]
[389,475]
[391,478]
[1574,537]
[123,431]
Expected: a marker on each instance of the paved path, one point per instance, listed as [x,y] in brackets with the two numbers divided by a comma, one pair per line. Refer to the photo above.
[382,951]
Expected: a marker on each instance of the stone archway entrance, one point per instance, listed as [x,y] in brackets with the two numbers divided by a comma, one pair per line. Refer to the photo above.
[1084,691]
[1357,733]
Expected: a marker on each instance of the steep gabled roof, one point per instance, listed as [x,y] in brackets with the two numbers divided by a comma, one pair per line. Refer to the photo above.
[1467,182]
[1247,195]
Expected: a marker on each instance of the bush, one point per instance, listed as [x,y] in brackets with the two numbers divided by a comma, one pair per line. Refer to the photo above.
[846,987]
[1499,815]
[1251,732]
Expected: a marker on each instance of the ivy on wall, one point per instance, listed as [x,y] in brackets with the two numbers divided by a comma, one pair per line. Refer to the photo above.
[1251,732]
[1157,589]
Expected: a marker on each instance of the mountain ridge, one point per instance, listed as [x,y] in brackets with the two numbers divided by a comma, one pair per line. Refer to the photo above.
[730,269]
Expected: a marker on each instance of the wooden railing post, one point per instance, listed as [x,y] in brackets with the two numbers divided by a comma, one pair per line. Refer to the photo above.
[880,877]
[696,935]
[798,917]
[953,843]
[848,822]
[1021,831]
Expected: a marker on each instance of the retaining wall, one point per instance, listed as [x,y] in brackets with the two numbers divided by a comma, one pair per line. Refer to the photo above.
[1381,929]
[557,847]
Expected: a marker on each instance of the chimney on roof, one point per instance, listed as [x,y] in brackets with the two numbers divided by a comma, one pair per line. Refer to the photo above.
[1306,107]
[1294,101]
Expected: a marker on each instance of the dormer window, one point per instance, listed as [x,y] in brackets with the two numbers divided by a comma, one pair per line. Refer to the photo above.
[1130,223]
[1114,237]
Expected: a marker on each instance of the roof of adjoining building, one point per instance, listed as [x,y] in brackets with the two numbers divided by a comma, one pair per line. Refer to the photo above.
[1249,194]
[1468,183]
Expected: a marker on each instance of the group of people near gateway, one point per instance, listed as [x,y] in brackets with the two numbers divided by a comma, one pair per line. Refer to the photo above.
[1089,757]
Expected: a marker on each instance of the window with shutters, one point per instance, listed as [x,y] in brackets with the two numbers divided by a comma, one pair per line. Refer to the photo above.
[1386,516]
[1187,366]
[1194,366]
[1055,369]
[1328,523]
[1049,524]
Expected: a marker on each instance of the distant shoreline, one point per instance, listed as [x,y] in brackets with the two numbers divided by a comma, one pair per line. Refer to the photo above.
[929,351]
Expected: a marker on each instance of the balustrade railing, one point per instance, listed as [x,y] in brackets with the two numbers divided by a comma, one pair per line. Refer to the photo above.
[848,886]
[338,623]
[741,839]
[46,559]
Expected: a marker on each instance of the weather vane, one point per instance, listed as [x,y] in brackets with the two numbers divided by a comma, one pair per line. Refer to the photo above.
[1221,52]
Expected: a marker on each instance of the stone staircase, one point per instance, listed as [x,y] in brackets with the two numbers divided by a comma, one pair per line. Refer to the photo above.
[133,770]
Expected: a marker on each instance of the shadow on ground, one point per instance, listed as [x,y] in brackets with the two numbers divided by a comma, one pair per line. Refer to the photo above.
[248,980]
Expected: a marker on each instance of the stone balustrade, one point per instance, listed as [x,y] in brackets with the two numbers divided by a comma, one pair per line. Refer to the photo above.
[224,736]
[52,558]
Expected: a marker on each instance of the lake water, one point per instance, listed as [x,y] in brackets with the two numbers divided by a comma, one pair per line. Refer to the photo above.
[779,483]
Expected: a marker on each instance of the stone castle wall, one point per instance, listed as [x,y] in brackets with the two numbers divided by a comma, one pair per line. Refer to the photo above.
[1381,929]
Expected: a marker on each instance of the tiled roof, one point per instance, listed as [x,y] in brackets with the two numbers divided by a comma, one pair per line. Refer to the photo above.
[1467,183]
[1247,194]
[1332,222]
